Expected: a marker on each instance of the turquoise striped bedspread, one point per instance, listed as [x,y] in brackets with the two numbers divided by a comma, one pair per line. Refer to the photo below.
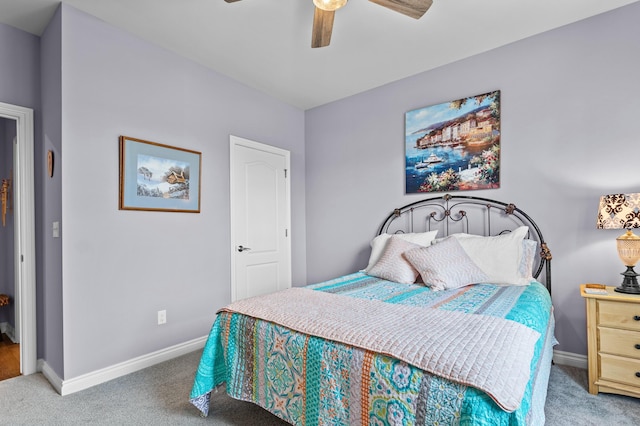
[306,380]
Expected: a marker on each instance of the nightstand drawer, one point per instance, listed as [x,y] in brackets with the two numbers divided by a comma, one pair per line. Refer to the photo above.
[620,342]
[619,369]
[613,331]
[619,314]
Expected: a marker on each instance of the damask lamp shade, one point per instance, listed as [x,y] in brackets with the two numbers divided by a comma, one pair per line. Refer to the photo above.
[622,211]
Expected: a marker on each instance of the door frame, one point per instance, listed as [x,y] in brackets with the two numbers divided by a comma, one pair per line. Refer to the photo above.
[238,141]
[24,234]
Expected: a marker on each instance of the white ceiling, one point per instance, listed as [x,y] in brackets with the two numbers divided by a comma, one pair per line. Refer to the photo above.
[266,43]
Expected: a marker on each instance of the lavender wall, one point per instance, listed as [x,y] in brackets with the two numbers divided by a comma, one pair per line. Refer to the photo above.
[50,331]
[19,68]
[120,267]
[570,99]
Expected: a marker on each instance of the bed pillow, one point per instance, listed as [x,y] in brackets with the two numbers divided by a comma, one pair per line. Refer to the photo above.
[392,266]
[379,243]
[445,265]
[498,256]
[529,248]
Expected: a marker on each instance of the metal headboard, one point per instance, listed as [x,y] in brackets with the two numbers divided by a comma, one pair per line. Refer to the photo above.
[481,216]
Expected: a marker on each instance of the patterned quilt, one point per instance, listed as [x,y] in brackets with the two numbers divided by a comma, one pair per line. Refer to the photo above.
[307,380]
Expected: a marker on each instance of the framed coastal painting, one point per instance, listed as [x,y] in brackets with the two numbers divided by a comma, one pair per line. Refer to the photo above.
[158,177]
[454,146]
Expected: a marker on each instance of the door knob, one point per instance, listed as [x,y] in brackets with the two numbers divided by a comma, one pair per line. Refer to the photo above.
[241,248]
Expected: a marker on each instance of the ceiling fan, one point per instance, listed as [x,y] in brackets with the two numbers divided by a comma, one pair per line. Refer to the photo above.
[325,10]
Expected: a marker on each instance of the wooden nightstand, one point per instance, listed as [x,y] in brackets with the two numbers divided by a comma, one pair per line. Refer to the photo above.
[613,331]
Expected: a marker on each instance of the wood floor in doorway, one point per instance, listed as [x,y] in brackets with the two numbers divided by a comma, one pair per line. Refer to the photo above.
[9,358]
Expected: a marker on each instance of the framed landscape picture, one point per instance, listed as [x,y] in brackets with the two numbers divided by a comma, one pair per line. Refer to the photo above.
[158,177]
[453,146]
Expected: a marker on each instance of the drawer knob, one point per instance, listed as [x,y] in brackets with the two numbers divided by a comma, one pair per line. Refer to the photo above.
[637,346]
[637,373]
[636,317]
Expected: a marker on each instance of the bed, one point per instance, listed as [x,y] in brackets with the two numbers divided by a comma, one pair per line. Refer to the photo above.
[451,322]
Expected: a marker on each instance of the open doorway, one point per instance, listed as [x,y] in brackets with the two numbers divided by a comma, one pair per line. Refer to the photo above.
[9,341]
[18,122]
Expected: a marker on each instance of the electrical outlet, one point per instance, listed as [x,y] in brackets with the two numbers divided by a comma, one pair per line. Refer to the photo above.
[162,317]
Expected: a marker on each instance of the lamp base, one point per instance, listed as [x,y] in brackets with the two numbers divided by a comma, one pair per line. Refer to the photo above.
[630,282]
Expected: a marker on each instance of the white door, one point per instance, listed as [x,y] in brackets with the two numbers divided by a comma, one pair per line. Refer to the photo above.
[260,219]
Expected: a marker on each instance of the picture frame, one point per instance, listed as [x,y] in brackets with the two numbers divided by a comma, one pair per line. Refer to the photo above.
[454,146]
[158,177]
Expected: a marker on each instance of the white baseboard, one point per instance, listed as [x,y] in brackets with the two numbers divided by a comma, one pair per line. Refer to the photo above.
[570,359]
[85,381]
[50,375]
[8,329]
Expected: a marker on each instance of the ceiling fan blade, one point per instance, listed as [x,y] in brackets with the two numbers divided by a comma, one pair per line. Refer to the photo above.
[231,1]
[413,8]
[322,27]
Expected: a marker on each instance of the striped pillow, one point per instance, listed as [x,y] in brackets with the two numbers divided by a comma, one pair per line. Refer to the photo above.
[392,266]
[445,265]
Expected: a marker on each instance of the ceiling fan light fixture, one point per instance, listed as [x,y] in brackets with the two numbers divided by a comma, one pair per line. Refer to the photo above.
[329,5]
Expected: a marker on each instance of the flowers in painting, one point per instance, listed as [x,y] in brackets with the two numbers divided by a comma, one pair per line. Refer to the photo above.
[488,164]
[448,180]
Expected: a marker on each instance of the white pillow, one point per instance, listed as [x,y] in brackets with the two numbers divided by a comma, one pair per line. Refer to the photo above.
[392,266]
[379,243]
[445,265]
[525,269]
[499,256]
[529,248]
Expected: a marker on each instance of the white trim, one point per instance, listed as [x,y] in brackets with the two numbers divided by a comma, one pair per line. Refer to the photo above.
[85,381]
[570,359]
[50,375]
[24,235]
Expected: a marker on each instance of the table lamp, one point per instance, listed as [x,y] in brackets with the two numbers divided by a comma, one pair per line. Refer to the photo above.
[622,211]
